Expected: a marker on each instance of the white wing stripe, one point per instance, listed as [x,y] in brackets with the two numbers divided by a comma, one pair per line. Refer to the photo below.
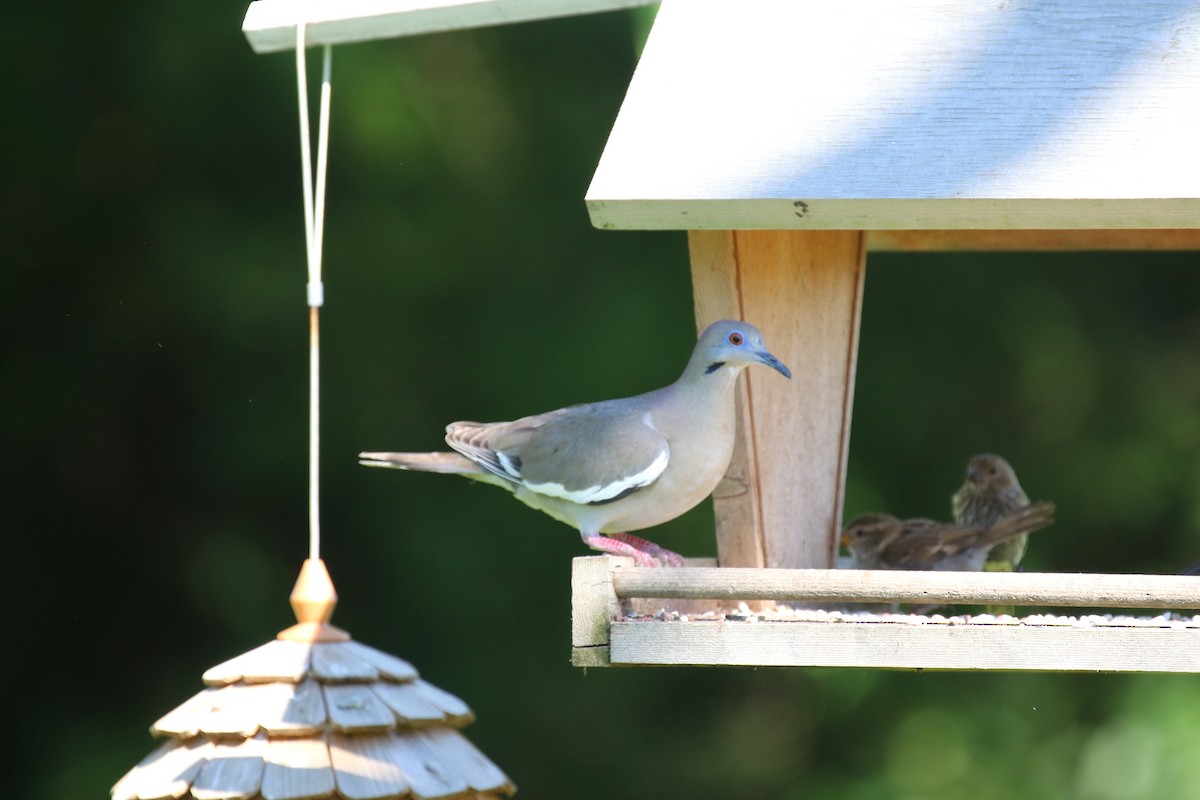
[508,465]
[598,493]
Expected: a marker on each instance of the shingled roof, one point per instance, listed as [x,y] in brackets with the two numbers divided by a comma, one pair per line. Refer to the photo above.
[314,714]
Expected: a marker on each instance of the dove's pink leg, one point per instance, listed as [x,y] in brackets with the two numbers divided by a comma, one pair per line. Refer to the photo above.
[644,553]
[667,557]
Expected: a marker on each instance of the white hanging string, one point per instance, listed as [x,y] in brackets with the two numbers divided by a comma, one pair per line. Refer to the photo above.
[314,225]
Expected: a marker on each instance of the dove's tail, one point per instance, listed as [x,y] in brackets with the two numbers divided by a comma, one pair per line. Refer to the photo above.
[450,463]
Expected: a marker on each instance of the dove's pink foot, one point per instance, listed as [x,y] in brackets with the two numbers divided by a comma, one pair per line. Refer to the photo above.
[644,553]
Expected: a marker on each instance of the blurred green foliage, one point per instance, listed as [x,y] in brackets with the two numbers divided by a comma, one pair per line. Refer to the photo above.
[154,417]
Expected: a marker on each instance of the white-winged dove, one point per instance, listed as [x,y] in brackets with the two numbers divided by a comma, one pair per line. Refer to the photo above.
[881,541]
[619,465]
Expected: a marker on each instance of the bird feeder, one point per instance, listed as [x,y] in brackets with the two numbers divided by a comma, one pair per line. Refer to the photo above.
[791,139]
[314,714]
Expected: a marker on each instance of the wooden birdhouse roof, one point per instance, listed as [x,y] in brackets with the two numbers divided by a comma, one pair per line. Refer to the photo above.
[293,720]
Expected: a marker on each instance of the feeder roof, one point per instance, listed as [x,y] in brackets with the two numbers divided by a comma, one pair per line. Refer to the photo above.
[301,720]
[909,114]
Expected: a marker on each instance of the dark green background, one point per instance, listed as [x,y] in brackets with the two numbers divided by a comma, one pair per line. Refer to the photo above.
[154,412]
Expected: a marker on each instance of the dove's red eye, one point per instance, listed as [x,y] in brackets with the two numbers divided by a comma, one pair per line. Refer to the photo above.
[735,338]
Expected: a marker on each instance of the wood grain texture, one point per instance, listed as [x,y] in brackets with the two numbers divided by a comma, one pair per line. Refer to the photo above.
[593,606]
[297,769]
[952,588]
[304,713]
[273,661]
[900,646]
[233,710]
[736,502]
[409,705]
[452,749]
[976,114]
[455,708]
[354,708]
[233,771]
[427,776]
[186,719]
[780,504]
[336,662]
[168,771]
[388,665]
[270,25]
[362,768]
[1033,240]
[242,709]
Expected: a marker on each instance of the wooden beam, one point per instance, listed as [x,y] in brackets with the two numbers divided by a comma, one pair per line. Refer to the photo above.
[876,586]
[1034,240]
[614,210]
[908,646]
[780,504]
[270,25]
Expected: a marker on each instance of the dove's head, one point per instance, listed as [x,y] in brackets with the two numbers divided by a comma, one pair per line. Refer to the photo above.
[730,343]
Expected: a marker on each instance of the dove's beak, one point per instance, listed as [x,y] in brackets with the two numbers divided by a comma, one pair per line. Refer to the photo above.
[774,363]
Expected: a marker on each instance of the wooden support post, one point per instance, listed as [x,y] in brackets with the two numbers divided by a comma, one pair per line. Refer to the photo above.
[594,605]
[780,503]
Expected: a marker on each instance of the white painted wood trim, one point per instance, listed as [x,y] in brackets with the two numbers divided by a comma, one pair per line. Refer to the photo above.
[906,646]
[270,25]
[702,213]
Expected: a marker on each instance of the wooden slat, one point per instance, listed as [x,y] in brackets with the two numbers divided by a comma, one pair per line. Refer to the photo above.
[274,661]
[336,662]
[126,787]
[297,769]
[455,709]
[389,666]
[270,25]
[303,714]
[1033,240]
[233,771]
[166,772]
[232,710]
[241,709]
[780,505]
[409,705]
[184,720]
[428,777]
[975,115]
[928,646]
[362,769]
[354,708]
[453,749]
[951,588]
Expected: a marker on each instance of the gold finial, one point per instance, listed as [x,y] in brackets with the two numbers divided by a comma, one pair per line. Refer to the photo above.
[313,599]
